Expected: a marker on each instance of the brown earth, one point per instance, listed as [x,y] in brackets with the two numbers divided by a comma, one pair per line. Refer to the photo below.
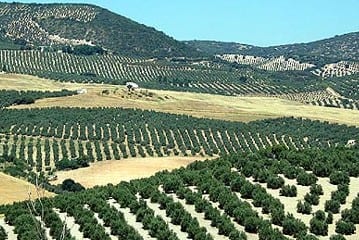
[115,171]
[15,190]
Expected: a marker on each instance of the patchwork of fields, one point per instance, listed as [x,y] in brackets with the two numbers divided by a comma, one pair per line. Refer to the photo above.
[281,136]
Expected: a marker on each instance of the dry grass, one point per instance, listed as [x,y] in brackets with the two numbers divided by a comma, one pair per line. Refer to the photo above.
[115,171]
[195,104]
[14,190]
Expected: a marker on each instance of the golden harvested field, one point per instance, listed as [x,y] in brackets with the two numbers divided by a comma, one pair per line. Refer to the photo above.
[115,171]
[14,190]
[196,104]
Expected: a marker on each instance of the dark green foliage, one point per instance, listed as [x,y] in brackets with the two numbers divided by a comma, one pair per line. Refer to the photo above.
[345,228]
[251,224]
[215,179]
[3,235]
[306,179]
[66,164]
[12,97]
[339,177]
[288,191]
[307,237]
[293,226]
[71,186]
[329,219]
[312,199]
[316,189]
[339,196]
[332,206]
[318,224]
[337,237]
[275,182]
[268,233]
[304,207]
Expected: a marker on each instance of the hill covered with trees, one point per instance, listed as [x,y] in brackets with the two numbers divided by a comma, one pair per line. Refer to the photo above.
[338,48]
[33,25]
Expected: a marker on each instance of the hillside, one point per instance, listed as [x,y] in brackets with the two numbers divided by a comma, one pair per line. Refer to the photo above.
[274,194]
[28,25]
[343,47]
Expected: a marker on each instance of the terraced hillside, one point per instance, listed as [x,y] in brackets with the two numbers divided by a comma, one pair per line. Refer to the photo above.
[272,194]
[331,50]
[148,73]
[342,93]
[52,138]
[185,75]
[270,64]
[56,25]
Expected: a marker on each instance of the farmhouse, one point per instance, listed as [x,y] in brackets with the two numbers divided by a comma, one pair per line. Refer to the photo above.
[131,86]
[81,91]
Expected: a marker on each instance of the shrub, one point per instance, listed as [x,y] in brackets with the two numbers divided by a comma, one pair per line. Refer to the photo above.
[293,226]
[316,189]
[345,228]
[71,186]
[318,227]
[307,237]
[277,216]
[339,196]
[275,182]
[246,190]
[350,215]
[266,232]
[332,206]
[66,164]
[304,207]
[3,234]
[312,199]
[306,179]
[339,177]
[251,224]
[343,188]
[337,237]
[288,191]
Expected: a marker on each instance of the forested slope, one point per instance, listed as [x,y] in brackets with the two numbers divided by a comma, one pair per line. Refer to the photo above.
[51,25]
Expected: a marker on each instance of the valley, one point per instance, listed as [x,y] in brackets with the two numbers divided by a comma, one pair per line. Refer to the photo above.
[111,129]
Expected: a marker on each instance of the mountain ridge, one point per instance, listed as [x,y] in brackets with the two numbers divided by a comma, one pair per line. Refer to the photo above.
[75,24]
[334,49]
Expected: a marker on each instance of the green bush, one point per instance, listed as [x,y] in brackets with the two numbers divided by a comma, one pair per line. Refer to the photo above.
[66,164]
[339,177]
[251,224]
[311,198]
[346,228]
[337,237]
[318,225]
[71,186]
[293,226]
[316,189]
[304,207]
[306,179]
[3,234]
[288,191]
[275,182]
[332,206]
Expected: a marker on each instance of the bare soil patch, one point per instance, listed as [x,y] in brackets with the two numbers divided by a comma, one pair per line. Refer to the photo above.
[14,190]
[115,171]
[231,108]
